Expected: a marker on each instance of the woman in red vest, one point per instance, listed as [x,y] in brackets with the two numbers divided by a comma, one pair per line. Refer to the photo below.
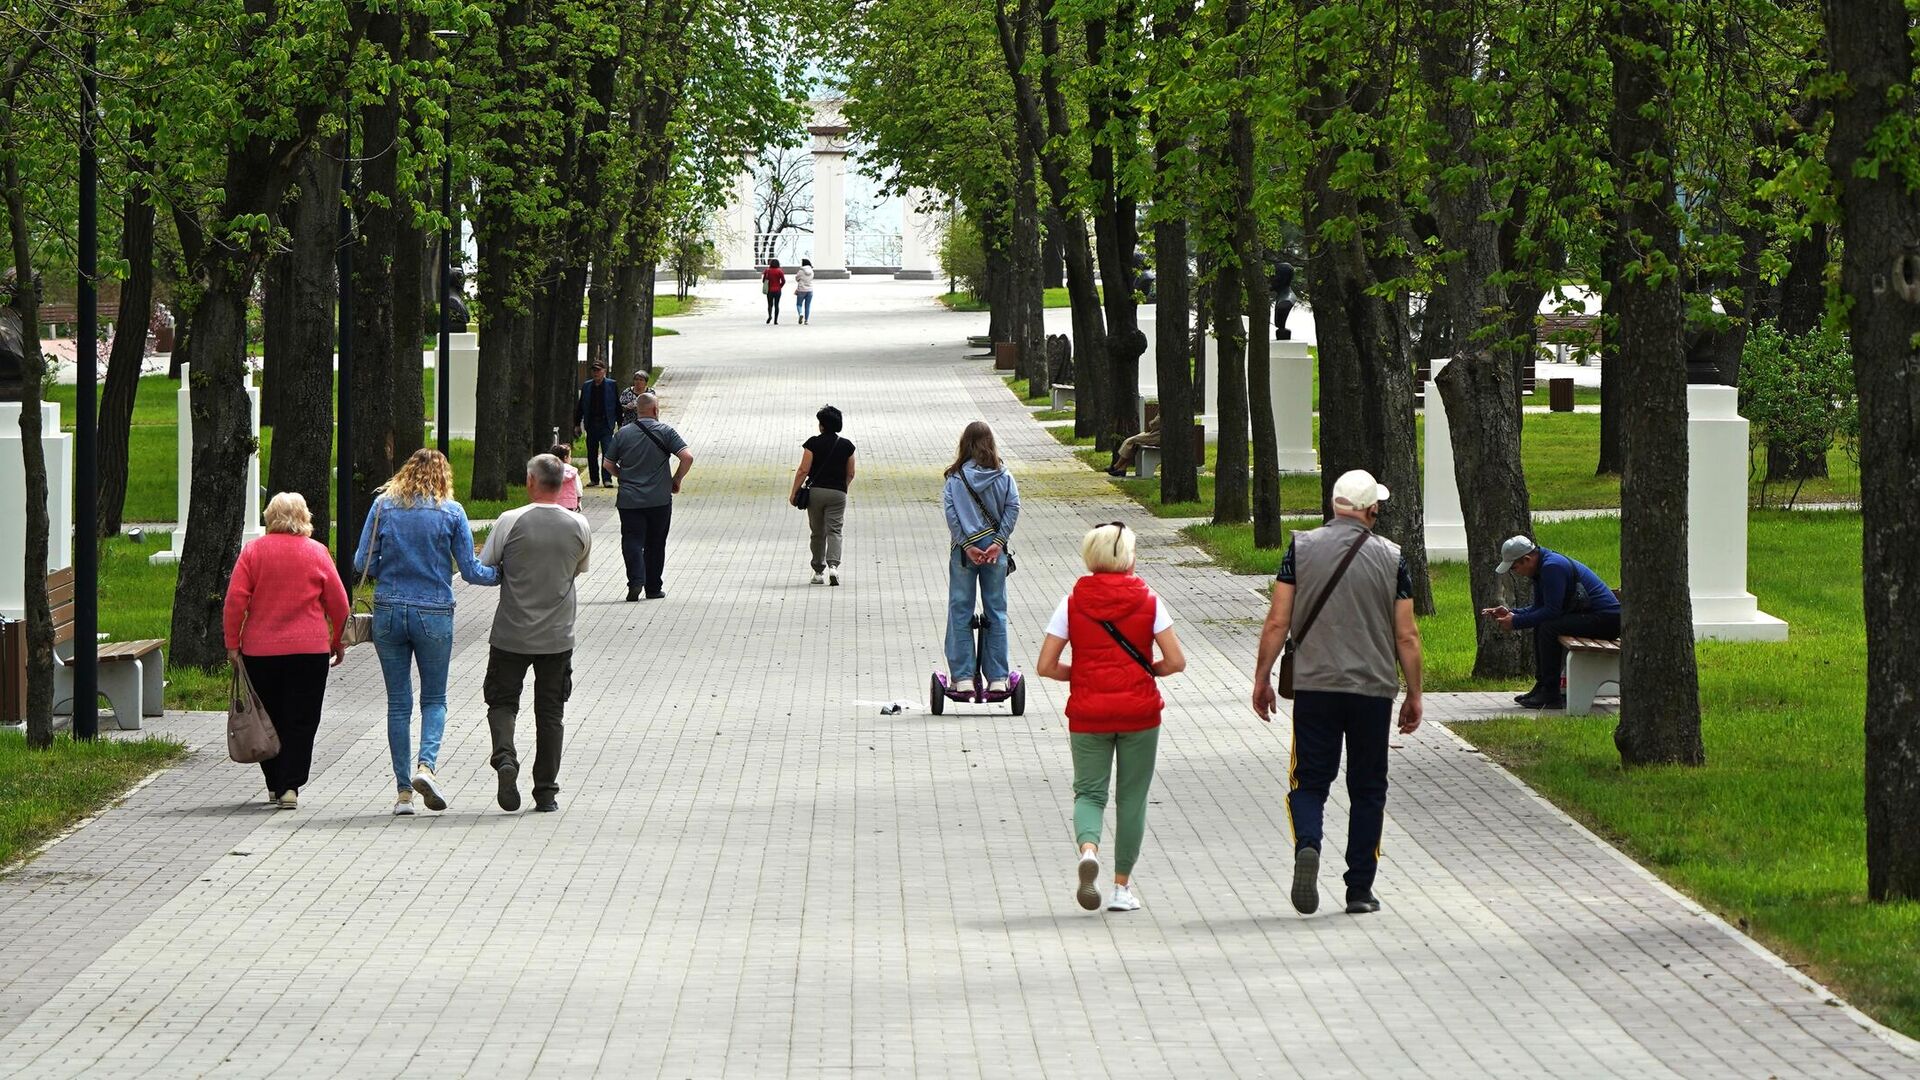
[1113,621]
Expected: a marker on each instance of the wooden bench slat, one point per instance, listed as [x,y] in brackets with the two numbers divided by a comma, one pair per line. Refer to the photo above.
[1581,644]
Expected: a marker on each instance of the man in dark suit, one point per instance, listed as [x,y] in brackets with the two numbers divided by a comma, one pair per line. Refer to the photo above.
[598,414]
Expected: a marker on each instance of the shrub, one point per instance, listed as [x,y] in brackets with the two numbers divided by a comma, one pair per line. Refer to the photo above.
[1798,393]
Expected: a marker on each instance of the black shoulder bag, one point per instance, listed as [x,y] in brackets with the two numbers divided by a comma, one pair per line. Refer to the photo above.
[988,514]
[1293,640]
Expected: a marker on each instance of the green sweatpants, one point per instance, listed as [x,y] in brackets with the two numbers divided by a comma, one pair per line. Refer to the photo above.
[1093,765]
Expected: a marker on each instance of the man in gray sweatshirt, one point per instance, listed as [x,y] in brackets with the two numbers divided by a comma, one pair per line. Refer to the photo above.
[540,549]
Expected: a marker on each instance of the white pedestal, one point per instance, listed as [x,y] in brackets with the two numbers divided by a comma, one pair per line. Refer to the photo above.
[919,239]
[58,448]
[829,208]
[463,385]
[1446,525]
[183,482]
[1717,457]
[737,225]
[1210,357]
[1291,390]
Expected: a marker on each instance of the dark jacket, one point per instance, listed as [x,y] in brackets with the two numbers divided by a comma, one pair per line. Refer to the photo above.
[608,416]
[1565,587]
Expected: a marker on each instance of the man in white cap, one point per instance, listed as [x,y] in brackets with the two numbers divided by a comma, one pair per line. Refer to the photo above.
[1354,637]
[1568,599]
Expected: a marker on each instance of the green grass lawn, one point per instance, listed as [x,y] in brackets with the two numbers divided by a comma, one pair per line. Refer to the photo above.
[962,301]
[43,792]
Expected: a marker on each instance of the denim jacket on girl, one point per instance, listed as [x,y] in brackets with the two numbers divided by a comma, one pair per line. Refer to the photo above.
[418,546]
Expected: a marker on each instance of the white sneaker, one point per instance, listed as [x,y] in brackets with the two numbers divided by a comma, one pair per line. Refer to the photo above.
[428,786]
[403,804]
[818,578]
[833,575]
[1089,892]
[997,686]
[289,799]
[1123,899]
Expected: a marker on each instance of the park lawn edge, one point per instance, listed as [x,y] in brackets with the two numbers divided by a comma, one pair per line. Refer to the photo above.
[46,794]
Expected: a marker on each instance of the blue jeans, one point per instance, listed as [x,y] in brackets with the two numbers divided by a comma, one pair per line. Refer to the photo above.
[991,580]
[803,304]
[405,635]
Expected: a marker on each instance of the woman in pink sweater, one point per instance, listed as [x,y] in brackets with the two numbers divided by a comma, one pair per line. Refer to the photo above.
[286,610]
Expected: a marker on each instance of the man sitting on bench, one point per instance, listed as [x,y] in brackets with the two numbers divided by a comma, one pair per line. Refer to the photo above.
[1568,599]
[1123,456]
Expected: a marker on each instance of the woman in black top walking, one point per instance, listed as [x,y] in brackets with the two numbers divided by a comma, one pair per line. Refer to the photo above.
[826,472]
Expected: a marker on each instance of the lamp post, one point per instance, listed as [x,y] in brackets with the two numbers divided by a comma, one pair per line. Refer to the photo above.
[443,376]
[86,539]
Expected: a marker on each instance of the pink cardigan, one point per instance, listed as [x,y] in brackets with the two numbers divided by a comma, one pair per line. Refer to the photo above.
[283,595]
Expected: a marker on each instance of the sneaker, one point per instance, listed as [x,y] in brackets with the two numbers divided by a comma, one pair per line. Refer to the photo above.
[403,804]
[1089,893]
[997,686]
[1123,899]
[818,578]
[633,595]
[1529,700]
[547,805]
[509,774]
[1306,880]
[1364,904]
[428,787]
[833,575]
[289,799]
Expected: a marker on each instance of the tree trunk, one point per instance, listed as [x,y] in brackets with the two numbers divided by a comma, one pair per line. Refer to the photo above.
[996,286]
[1053,262]
[1479,387]
[1251,256]
[649,289]
[302,458]
[222,442]
[1116,223]
[625,320]
[129,341]
[1173,358]
[1881,221]
[1660,712]
[1366,373]
[33,460]
[375,367]
[1030,326]
[1230,494]
[599,291]
[1612,390]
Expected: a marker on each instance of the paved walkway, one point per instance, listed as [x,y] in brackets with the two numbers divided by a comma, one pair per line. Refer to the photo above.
[756,873]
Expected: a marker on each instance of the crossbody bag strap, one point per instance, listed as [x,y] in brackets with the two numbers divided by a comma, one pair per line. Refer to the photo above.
[1128,645]
[1321,600]
[373,546]
[667,458]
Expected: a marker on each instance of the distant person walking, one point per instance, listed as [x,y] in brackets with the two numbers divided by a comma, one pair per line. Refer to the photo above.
[803,291]
[414,536]
[539,549]
[826,471]
[1112,620]
[597,413]
[285,611]
[630,397]
[1358,601]
[642,457]
[982,506]
[1568,599]
[570,493]
[772,280]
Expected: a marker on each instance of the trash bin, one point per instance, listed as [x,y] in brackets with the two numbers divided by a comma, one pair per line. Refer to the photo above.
[1560,395]
[1006,356]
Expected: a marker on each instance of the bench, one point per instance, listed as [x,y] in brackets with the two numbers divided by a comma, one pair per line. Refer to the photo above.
[54,317]
[1591,664]
[1146,459]
[132,674]
[1062,395]
[1576,331]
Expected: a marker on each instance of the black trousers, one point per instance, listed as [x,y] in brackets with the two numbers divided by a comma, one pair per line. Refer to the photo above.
[773,305]
[1321,722]
[291,689]
[643,545]
[1548,656]
[597,440]
[552,686]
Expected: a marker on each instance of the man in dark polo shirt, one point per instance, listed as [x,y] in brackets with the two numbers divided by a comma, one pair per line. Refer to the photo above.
[1344,605]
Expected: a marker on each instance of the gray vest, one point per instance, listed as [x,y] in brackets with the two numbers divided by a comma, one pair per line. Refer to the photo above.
[1351,646]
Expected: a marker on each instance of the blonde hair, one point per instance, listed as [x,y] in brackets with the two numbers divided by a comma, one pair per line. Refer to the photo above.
[1108,549]
[424,478]
[287,513]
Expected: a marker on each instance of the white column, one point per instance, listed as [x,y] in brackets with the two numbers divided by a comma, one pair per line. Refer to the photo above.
[1290,386]
[57,447]
[463,385]
[1717,462]
[1210,359]
[183,480]
[919,239]
[829,208]
[1446,525]
[737,226]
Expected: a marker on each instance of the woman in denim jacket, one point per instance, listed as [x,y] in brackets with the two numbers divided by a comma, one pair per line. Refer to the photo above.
[422,534]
